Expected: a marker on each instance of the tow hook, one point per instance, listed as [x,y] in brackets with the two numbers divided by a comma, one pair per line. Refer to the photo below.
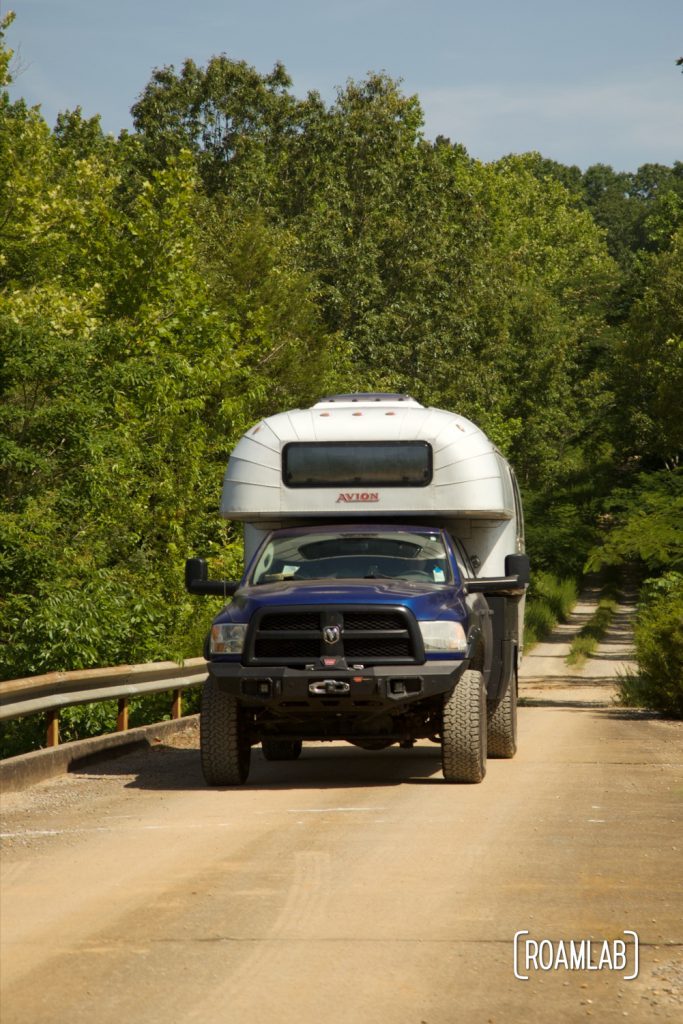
[327,686]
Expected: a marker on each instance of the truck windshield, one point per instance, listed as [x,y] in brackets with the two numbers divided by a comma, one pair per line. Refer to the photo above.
[339,555]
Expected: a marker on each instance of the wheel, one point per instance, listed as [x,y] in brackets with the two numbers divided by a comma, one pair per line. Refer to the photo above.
[463,730]
[224,737]
[502,727]
[280,750]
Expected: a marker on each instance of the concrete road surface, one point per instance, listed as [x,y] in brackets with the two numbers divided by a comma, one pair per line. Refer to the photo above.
[351,886]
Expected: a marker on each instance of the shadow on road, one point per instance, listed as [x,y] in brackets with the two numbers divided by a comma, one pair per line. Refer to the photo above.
[591,706]
[335,767]
[320,767]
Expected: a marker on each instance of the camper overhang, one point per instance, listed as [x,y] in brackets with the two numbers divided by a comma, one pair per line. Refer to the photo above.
[372,456]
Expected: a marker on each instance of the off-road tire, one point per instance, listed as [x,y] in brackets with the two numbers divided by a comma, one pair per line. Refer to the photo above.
[280,750]
[463,730]
[224,737]
[502,725]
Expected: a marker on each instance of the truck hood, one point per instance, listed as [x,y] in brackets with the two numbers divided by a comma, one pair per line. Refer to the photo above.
[426,600]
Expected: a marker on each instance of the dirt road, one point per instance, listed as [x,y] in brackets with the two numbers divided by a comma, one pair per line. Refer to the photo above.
[352,886]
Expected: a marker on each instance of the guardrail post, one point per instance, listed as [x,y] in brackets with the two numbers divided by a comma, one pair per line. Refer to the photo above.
[122,716]
[53,728]
[177,706]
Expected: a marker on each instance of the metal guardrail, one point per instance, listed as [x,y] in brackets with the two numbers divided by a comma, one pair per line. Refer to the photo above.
[56,690]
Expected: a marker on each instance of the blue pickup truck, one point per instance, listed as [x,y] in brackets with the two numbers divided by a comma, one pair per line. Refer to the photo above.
[382,601]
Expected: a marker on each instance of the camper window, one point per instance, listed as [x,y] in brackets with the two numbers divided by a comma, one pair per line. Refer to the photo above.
[357,464]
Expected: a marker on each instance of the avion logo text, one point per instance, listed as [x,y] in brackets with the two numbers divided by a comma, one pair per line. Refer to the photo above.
[356,496]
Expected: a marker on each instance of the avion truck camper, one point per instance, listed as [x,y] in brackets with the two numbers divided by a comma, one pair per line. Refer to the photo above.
[382,600]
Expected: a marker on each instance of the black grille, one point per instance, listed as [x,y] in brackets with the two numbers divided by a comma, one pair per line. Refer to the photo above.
[368,635]
[291,620]
[358,648]
[287,648]
[373,621]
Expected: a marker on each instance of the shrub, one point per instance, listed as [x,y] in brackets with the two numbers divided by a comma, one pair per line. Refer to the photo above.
[658,634]
[550,600]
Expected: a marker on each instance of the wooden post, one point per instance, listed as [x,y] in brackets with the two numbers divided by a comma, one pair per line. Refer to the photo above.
[53,728]
[177,706]
[122,716]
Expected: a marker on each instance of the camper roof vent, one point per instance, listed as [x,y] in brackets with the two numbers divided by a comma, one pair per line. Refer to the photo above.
[371,398]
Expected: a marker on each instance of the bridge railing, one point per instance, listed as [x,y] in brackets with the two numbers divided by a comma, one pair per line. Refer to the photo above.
[56,690]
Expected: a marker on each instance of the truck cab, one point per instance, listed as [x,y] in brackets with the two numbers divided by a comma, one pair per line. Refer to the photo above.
[382,599]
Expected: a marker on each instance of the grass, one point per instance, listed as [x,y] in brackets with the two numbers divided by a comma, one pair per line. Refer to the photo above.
[550,601]
[588,638]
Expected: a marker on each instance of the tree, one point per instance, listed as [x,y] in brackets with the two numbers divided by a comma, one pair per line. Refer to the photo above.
[232,119]
[650,365]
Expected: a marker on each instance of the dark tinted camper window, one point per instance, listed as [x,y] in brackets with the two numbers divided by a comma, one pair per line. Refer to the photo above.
[357,463]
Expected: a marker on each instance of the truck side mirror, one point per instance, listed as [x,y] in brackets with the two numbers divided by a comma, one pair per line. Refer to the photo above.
[518,565]
[197,580]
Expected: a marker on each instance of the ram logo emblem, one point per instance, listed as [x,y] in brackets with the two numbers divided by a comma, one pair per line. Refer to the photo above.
[331,634]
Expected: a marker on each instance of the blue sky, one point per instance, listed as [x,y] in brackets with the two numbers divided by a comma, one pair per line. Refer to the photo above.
[582,81]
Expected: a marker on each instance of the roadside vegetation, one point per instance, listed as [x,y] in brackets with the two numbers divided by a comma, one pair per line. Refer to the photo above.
[658,683]
[590,634]
[549,601]
[244,250]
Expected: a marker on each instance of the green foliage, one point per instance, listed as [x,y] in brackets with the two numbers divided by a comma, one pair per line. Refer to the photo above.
[108,345]
[22,735]
[561,529]
[650,364]
[647,524]
[648,533]
[550,600]
[658,683]
[234,120]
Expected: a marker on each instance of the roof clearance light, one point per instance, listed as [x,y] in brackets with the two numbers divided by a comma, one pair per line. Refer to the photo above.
[356,413]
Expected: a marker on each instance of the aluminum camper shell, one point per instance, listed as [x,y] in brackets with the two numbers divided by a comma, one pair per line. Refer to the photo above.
[471,489]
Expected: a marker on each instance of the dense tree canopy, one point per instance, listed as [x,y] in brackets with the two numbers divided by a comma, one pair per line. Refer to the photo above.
[243,251]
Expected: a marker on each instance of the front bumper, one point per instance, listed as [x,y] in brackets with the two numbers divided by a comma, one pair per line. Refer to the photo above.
[319,688]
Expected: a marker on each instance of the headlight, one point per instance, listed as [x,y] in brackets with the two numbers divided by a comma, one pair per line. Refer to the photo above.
[442,635]
[228,638]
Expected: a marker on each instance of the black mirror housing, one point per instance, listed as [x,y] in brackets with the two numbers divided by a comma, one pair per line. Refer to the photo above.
[518,565]
[197,580]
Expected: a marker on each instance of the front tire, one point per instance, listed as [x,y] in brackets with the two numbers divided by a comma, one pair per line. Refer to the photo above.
[224,737]
[463,730]
[502,727]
